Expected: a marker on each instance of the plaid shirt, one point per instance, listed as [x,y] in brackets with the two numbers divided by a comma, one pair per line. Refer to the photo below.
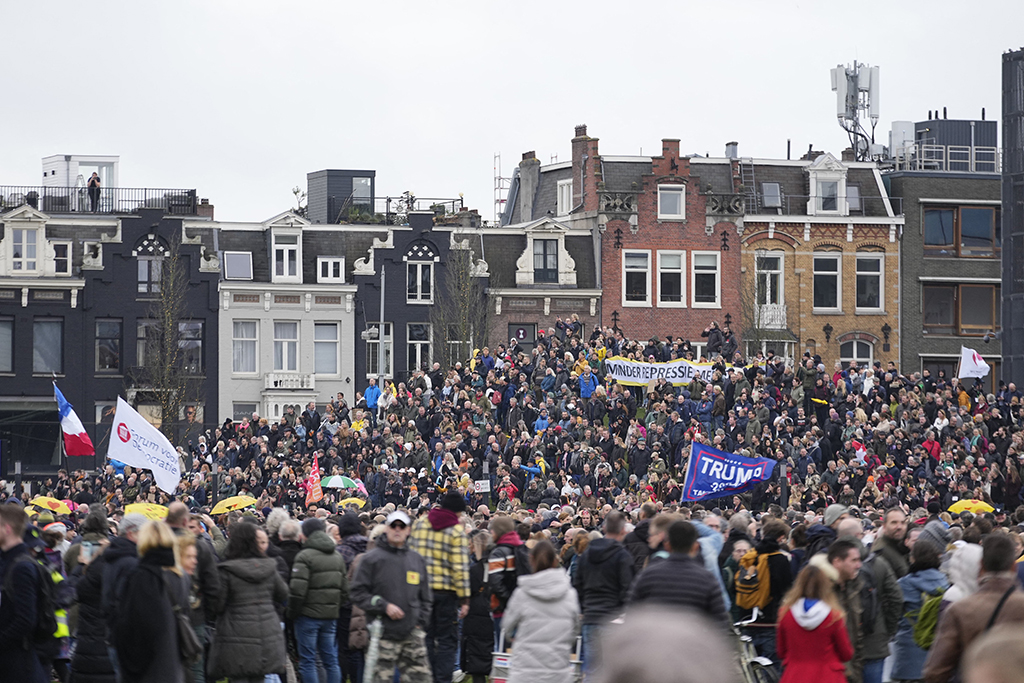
[447,555]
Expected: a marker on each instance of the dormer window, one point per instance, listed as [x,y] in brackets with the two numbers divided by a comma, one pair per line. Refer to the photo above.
[672,202]
[828,195]
[827,182]
[25,249]
[286,257]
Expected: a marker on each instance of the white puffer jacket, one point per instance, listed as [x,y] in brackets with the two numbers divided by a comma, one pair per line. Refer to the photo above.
[543,614]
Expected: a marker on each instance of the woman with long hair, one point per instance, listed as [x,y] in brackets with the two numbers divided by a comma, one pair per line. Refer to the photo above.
[249,641]
[812,639]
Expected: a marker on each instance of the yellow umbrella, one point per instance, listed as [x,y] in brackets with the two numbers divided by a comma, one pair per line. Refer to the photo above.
[51,504]
[358,502]
[974,506]
[149,510]
[232,503]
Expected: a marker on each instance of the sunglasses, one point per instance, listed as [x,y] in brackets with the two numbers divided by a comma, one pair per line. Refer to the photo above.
[398,525]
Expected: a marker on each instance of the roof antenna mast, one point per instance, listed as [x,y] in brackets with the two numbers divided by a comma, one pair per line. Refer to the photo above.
[856,92]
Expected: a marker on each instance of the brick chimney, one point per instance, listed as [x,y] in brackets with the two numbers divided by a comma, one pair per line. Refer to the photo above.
[205,209]
[584,156]
[529,177]
[848,155]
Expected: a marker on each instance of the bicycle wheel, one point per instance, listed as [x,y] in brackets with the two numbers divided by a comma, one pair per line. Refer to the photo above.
[763,674]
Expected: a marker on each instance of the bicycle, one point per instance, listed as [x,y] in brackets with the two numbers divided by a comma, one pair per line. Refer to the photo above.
[755,669]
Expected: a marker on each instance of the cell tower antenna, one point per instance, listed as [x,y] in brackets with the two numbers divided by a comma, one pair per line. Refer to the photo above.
[856,90]
[501,187]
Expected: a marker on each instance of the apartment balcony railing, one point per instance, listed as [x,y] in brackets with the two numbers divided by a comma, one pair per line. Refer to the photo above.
[952,158]
[112,200]
[772,316]
[798,205]
[386,210]
[289,380]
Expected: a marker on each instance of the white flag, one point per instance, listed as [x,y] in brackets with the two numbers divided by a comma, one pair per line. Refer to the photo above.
[972,364]
[135,442]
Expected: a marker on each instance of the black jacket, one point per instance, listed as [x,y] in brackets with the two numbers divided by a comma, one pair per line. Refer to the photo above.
[18,617]
[636,544]
[680,581]
[603,575]
[477,627]
[91,663]
[120,558]
[780,578]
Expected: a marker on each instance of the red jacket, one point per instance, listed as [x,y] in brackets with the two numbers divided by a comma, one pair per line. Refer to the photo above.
[813,655]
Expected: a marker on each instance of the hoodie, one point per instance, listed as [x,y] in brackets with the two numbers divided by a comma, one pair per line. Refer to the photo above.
[543,614]
[810,613]
[602,578]
[389,575]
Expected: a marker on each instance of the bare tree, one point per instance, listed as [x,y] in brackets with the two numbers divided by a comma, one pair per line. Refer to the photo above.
[460,314]
[755,296]
[170,374]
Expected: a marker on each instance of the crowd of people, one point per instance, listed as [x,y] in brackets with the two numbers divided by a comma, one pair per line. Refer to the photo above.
[524,499]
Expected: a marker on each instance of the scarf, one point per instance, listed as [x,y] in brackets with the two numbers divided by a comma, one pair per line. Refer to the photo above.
[442,519]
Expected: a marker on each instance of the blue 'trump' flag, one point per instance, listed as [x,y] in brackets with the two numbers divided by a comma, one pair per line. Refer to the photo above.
[712,473]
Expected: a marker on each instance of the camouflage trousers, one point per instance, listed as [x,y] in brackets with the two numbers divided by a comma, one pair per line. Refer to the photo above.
[409,655]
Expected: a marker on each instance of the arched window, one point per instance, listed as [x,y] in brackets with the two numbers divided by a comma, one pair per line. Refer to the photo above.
[856,350]
[150,252]
[420,259]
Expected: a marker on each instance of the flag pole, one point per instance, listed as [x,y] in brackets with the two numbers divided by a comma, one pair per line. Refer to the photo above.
[63,450]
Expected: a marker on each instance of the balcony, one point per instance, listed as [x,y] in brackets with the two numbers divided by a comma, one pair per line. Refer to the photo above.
[388,210]
[112,200]
[771,316]
[297,381]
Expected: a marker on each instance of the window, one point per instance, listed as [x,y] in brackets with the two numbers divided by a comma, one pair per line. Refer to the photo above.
[827,292]
[190,346]
[242,410]
[706,281]
[325,348]
[104,412]
[672,202]
[939,309]
[286,346]
[859,351]
[768,270]
[48,347]
[564,203]
[379,352]
[330,269]
[869,282]
[24,254]
[671,290]
[149,274]
[853,198]
[636,280]
[108,346]
[828,195]
[243,346]
[545,261]
[286,257]
[418,346]
[146,341]
[972,232]
[6,345]
[772,194]
[362,190]
[237,265]
[979,309]
[62,258]
[420,281]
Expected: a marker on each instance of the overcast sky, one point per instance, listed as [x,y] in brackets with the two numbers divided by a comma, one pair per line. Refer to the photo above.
[241,99]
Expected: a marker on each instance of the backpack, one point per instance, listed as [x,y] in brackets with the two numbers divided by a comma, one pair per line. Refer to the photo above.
[925,618]
[868,595]
[753,580]
[43,632]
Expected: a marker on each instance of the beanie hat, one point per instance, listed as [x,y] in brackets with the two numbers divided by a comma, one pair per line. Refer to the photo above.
[833,512]
[453,501]
[935,532]
[312,525]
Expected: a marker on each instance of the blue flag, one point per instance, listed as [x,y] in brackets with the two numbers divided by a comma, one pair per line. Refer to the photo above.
[712,473]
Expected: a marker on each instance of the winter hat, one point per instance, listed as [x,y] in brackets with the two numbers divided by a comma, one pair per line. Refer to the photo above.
[312,525]
[454,502]
[935,532]
[833,512]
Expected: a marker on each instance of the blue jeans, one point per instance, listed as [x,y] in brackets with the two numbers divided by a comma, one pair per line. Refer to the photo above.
[313,636]
[873,670]
[591,635]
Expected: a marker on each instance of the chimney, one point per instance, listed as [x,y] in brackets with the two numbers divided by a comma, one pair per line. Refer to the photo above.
[529,177]
[848,155]
[732,150]
[205,209]
[583,148]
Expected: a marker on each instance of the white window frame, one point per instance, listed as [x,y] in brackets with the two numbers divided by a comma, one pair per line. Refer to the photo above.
[333,264]
[336,343]
[873,256]
[284,343]
[418,297]
[284,248]
[254,340]
[718,279]
[537,241]
[839,281]
[385,343]
[20,264]
[563,201]
[758,273]
[57,259]
[424,362]
[681,271]
[674,189]
[821,195]
[646,303]
[233,254]
[861,362]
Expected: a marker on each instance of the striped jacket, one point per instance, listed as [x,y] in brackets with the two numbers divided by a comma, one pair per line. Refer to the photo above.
[447,555]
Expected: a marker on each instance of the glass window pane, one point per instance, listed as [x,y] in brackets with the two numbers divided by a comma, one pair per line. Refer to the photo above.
[826,291]
[670,202]
[705,261]
[829,195]
[826,265]
[671,261]
[419,332]
[939,303]
[426,277]
[868,291]
[325,332]
[671,287]
[6,346]
[411,279]
[770,263]
[938,231]
[976,308]
[636,259]
[869,265]
[326,348]
[705,288]
[47,346]
[977,232]
[636,286]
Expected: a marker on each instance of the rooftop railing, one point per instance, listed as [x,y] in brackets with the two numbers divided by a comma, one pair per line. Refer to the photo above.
[109,200]
[797,205]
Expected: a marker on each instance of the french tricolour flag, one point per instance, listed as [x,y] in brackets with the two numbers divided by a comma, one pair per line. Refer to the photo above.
[76,441]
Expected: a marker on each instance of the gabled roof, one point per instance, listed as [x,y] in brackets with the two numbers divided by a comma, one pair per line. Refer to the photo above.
[286,219]
[25,213]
